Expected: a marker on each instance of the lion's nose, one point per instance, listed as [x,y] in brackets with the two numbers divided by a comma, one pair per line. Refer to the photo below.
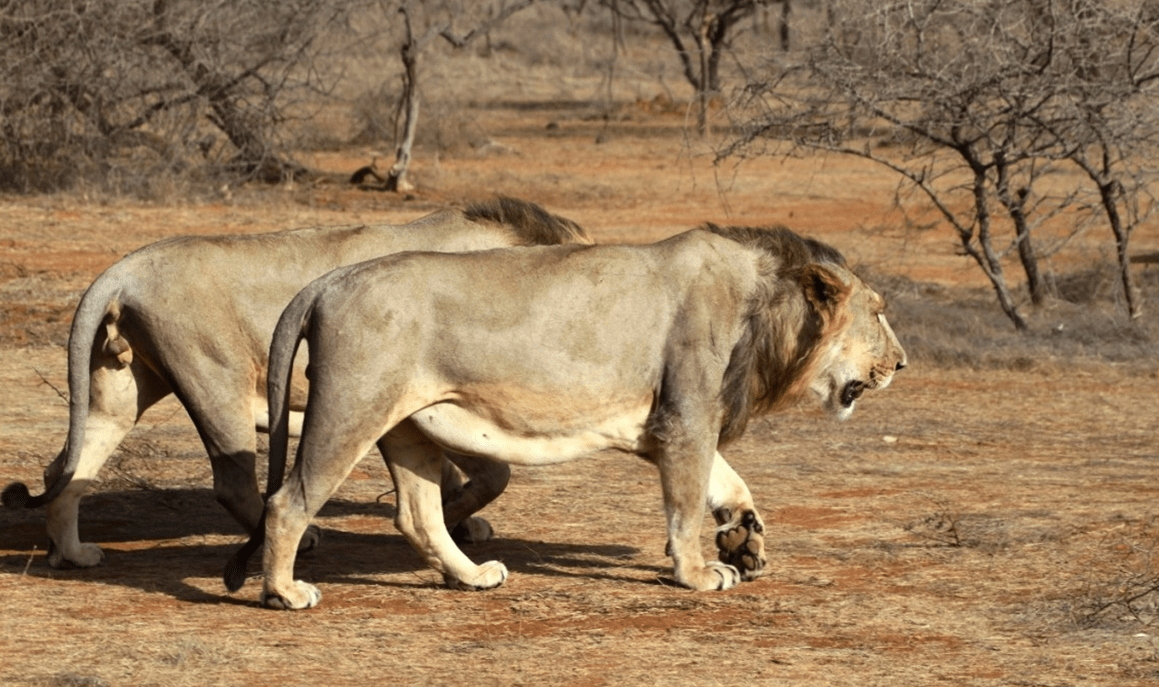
[900,365]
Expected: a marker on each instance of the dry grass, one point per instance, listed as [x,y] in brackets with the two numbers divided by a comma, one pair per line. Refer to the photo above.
[1083,323]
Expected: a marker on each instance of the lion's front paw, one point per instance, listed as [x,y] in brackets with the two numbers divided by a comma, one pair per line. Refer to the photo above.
[487,576]
[742,544]
[85,556]
[300,595]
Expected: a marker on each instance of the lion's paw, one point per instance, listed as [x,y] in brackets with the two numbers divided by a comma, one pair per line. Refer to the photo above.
[300,596]
[487,576]
[742,544]
[713,576]
[86,556]
[472,530]
[310,539]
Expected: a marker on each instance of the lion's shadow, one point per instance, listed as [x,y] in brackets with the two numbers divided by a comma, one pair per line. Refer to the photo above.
[169,551]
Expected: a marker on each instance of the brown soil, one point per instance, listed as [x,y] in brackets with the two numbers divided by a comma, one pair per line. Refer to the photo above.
[964,528]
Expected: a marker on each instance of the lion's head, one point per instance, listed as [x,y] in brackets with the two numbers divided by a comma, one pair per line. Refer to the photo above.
[858,350]
[815,326]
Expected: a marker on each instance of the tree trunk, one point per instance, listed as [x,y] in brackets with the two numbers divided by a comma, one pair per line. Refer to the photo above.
[1001,290]
[1107,191]
[786,10]
[984,253]
[1028,258]
[251,148]
[1015,205]
[1110,190]
[396,179]
[702,90]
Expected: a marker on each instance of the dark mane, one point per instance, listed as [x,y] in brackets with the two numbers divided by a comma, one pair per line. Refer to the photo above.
[771,363]
[793,250]
[533,225]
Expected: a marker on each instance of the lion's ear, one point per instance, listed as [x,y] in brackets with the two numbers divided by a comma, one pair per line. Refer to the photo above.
[823,288]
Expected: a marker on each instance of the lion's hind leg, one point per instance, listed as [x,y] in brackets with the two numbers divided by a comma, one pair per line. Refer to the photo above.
[325,458]
[288,513]
[740,532]
[486,480]
[118,394]
[416,464]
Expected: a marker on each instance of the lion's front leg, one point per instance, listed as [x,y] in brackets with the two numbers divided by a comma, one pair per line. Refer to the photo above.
[684,475]
[740,532]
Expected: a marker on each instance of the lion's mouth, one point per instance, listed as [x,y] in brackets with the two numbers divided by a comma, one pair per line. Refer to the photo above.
[851,392]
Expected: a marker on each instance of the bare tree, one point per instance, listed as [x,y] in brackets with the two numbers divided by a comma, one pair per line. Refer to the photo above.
[84,82]
[1126,200]
[700,31]
[972,104]
[440,18]
[1104,112]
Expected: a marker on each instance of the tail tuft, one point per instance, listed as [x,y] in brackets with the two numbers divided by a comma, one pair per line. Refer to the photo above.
[235,569]
[15,496]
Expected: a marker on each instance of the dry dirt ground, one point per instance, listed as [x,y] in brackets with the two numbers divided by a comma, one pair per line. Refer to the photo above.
[965,527]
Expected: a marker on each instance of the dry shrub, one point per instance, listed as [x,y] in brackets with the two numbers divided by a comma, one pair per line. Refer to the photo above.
[1101,283]
[446,127]
[965,328]
[113,93]
[940,522]
[451,129]
[1120,582]
[375,113]
[74,680]
[941,526]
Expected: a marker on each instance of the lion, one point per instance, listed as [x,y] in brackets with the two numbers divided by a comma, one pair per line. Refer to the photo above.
[548,354]
[193,316]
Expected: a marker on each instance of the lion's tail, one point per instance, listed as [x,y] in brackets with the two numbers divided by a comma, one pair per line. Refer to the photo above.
[291,329]
[98,305]
[292,326]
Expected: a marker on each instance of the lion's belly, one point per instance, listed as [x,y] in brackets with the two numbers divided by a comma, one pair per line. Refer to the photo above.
[542,443]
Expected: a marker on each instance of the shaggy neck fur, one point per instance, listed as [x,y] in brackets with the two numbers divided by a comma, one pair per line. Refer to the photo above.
[775,359]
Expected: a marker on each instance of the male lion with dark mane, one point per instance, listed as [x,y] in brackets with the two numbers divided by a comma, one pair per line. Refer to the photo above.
[548,354]
[193,316]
